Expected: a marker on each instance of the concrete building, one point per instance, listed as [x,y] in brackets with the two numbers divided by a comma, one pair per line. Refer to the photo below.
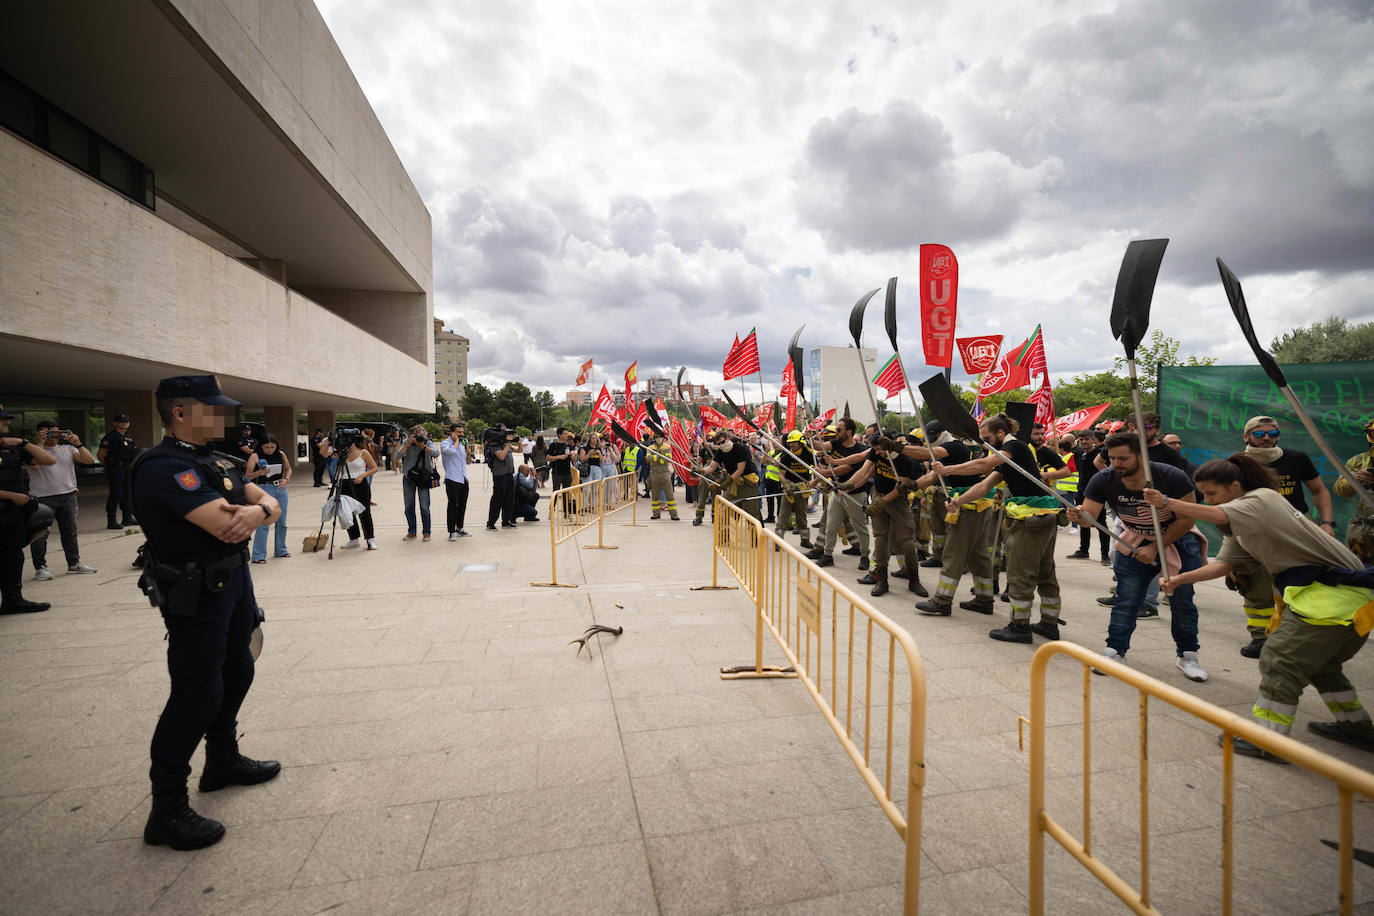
[578,398]
[200,186]
[450,365]
[834,379]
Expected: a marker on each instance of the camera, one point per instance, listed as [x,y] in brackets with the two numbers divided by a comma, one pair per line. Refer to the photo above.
[345,436]
[495,438]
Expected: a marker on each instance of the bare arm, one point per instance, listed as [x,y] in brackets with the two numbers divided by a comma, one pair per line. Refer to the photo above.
[1321,498]
[979,490]
[1213,570]
[1187,508]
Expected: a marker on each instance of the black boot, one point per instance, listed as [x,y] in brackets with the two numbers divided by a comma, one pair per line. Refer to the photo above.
[880,575]
[173,823]
[110,522]
[922,553]
[979,605]
[129,522]
[935,607]
[16,604]
[1046,627]
[913,584]
[868,579]
[1253,648]
[863,562]
[806,543]
[932,563]
[1016,631]
[225,766]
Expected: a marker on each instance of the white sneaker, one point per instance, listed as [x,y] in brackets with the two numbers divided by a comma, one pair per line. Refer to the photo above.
[453,535]
[1113,655]
[42,574]
[371,543]
[80,569]
[352,542]
[1187,663]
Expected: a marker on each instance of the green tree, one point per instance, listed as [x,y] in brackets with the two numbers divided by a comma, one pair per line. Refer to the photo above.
[1334,340]
[478,401]
[514,406]
[1161,351]
[1089,390]
[545,400]
[438,416]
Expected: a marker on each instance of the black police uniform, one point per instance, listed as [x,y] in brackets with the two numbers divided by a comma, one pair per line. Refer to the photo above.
[14,530]
[120,452]
[205,593]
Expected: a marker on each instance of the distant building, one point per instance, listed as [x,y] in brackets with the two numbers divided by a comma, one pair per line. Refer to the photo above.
[450,365]
[834,379]
[578,399]
[666,388]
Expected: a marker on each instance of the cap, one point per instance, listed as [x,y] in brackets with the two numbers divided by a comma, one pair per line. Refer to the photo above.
[795,436]
[5,414]
[934,429]
[204,388]
[1260,421]
[121,418]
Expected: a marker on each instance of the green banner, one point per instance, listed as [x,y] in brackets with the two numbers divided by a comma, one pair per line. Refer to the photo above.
[1207,407]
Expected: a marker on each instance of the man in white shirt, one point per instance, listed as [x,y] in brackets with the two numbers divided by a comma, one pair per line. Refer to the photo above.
[455,457]
[54,486]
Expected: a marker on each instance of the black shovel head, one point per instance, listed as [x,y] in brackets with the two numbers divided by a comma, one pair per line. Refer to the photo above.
[742,415]
[1135,288]
[1024,415]
[938,396]
[856,316]
[794,353]
[1242,313]
[680,396]
[890,312]
[777,416]
[651,419]
[622,433]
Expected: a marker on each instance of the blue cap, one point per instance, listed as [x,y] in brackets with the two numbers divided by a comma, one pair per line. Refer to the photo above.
[204,388]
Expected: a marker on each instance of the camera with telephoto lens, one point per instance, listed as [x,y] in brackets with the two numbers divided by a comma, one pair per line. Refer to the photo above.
[495,438]
[345,436]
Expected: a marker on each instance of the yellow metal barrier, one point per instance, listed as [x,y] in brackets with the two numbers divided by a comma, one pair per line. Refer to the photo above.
[574,509]
[1349,781]
[800,603]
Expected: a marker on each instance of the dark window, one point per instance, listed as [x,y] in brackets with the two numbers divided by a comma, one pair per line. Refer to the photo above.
[31,116]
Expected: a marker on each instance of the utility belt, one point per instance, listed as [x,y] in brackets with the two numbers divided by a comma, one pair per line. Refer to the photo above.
[175,588]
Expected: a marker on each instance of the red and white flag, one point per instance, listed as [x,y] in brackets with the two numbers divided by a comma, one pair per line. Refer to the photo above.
[763,419]
[682,450]
[1043,399]
[743,358]
[711,417]
[662,412]
[939,303]
[823,420]
[890,377]
[789,391]
[1079,419]
[637,420]
[979,353]
[584,372]
[1009,374]
[604,408]
[1034,355]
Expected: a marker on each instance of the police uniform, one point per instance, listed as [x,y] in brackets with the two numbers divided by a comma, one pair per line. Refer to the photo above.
[661,479]
[203,589]
[14,527]
[120,452]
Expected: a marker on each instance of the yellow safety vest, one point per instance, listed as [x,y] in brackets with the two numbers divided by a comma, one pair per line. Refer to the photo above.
[772,471]
[628,459]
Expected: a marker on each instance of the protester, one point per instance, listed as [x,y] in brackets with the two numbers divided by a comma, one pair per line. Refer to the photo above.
[796,475]
[561,458]
[1359,535]
[455,458]
[1173,441]
[502,504]
[270,468]
[117,452]
[526,494]
[969,523]
[1328,603]
[415,457]
[1122,489]
[16,509]
[846,454]
[893,475]
[735,471]
[54,486]
[359,466]
[661,492]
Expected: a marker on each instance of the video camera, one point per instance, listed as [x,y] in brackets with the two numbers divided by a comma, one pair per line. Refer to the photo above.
[494,438]
[344,436]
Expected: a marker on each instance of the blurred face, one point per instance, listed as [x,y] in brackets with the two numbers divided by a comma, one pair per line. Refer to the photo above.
[1123,461]
[122,427]
[199,423]
[1266,435]
[1218,494]
[1174,442]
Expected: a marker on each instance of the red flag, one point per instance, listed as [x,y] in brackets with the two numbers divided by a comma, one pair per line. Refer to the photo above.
[711,417]
[682,450]
[1079,419]
[763,419]
[743,358]
[1033,355]
[789,391]
[637,420]
[631,376]
[823,420]
[890,377]
[662,412]
[1010,373]
[1043,399]
[585,371]
[604,408]
[939,303]
[739,427]
[979,353]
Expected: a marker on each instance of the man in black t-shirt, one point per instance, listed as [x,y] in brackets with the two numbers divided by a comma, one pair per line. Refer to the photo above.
[560,463]
[893,475]
[847,454]
[1031,527]
[738,475]
[1123,490]
[969,526]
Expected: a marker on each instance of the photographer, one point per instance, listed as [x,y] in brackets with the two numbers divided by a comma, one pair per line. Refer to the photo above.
[455,455]
[417,454]
[16,508]
[527,493]
[496,446]
[54,486]
[359,466]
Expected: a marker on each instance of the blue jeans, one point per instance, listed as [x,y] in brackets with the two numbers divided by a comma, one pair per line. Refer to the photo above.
[1133,580]
[408,493]
[260,536]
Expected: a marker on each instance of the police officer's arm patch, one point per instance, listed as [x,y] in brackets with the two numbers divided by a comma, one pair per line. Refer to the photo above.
[188,480]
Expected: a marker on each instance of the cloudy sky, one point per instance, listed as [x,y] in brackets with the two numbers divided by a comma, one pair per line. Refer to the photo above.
[644,180]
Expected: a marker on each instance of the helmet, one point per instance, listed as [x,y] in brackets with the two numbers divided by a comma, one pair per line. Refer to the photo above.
[795,436]
[934,429]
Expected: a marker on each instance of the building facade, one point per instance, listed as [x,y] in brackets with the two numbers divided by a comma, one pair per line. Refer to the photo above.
[200,186]
[450,365]
[577,398]
[835,379]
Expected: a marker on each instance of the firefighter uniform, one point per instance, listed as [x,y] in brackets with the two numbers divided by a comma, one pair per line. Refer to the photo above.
[1359,536]
[795,476]
[661,479]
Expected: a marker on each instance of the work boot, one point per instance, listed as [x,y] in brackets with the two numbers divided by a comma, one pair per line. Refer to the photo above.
[980,605]
[1046,627]
[1253,648]
[869,578]
[1355,734]
[1107,601]
[914,585]
[901,573]
[825,559]
[654,516]
[932,563]
[1146,612]
[1004,597]
[696,521]
[1016,631]
[1246,749]
[922,553]
[110,522]
[227,767]
[880,575]
[863,562]
[935,607]
[851,551]
[173,823]
[806,543]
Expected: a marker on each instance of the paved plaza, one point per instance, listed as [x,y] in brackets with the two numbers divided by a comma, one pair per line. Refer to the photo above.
[445,750]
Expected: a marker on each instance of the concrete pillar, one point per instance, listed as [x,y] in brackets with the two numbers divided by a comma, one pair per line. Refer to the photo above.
[319,419]
[281,422]
[78,421]
[141,406]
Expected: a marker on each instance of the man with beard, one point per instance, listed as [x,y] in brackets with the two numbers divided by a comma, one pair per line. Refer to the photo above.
[1123,489]
[893,475]
[847,453]
[1292,468]
[738,475]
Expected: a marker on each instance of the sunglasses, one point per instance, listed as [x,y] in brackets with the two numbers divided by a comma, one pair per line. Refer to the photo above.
[1266,434]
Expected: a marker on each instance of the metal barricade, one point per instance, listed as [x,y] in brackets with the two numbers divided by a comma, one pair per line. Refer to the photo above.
[1349,781]
[573,510]
[800,603]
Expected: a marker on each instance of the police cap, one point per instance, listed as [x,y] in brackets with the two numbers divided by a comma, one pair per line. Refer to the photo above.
[203,388]
[121,418]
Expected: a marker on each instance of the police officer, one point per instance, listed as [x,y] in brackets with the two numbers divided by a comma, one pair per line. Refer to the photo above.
[117,451]
[17,511]
[199,513]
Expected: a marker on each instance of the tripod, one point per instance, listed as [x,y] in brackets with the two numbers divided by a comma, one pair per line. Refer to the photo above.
[335,484]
